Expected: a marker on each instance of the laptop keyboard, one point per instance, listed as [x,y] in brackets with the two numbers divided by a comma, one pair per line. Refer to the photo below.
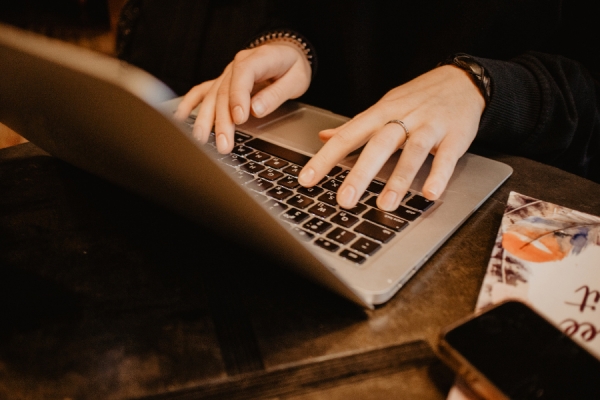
[271,171]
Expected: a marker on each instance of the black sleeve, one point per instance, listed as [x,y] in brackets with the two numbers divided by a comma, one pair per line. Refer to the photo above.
[185,42]
[544,107]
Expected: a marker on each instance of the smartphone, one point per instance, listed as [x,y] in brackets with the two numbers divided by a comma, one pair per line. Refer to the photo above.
[509,351]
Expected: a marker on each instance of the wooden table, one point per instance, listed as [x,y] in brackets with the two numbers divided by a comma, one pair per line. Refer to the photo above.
[105,296]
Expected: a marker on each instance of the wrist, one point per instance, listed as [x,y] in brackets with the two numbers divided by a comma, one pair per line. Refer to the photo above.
[477,72]
[290,38]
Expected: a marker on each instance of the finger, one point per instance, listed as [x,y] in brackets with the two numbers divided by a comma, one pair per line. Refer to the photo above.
[224,126]
[192,99]
[205,117]
[415,151]
[272,96]
[346,139]
[444,163]
[243,79]
[206,112]
[326,134]
[372,158]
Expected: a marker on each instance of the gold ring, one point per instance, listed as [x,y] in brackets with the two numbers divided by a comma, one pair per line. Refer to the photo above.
[397,121]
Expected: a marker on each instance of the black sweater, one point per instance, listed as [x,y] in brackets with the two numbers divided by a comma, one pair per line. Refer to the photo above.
[543,57]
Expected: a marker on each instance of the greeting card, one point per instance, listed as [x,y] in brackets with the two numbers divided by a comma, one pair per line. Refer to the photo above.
[549,257]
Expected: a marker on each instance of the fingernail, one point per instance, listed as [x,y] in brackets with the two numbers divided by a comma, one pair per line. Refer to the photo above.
[346,196]
[238,115]
[197,132]
[306,176]
[258,107]
[388,201]
[433,190]
[222,143]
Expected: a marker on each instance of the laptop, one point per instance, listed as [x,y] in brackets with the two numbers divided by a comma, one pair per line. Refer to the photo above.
[115,121]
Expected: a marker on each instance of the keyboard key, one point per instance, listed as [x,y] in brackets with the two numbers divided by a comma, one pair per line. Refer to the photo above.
[341,235]
[241,150]
[344,219]
[300,201]
[258,156]
[293,215]
[276,207]
[242,176]
[278,151]
[343,175]
[289,182]
[261,198]
[260,185]
[329,198]
[352,256]
[406,213]
[212,140]
[322,210]
[358,209]
[303,235]
[385,219]
[280,193]
[375,186]
[276,163]
[401,211]
[332,185]
[372,201]
[233,160]
[376,232]
[311,191]
[327,245]
[240,137]
[252,167]
[293,170]
[317,225]
[366,246]
[419,203]
[271,174]
[334,171]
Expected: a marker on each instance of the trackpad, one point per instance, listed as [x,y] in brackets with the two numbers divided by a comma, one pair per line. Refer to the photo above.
[299,129]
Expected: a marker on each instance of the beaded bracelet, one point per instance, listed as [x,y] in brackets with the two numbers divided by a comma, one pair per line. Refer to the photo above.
[290,37]
[477,71]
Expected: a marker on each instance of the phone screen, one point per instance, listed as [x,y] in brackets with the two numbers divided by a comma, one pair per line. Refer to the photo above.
[525,356]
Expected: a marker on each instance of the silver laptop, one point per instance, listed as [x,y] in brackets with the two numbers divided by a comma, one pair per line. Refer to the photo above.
[115,121]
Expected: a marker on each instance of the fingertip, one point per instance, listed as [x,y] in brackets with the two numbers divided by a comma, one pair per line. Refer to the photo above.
[238,115]
[433,191]
[389,201]
[222,143]
[258,107]
[347,196]
[306,176]
[326,134]
[197,132]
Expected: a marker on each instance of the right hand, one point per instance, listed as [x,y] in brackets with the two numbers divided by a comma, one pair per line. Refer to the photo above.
[257,81]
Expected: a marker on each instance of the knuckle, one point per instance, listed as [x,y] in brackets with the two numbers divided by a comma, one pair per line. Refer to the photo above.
[422,142]
[273,94]
[397,181]
[241,55]
[343,138]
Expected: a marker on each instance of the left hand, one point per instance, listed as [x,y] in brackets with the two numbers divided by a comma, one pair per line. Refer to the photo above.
[441,110]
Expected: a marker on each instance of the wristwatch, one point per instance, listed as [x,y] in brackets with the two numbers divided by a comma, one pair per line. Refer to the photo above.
[477,71]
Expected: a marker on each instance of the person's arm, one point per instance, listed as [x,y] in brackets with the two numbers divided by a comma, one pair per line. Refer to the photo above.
[257,81]
[545,107]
